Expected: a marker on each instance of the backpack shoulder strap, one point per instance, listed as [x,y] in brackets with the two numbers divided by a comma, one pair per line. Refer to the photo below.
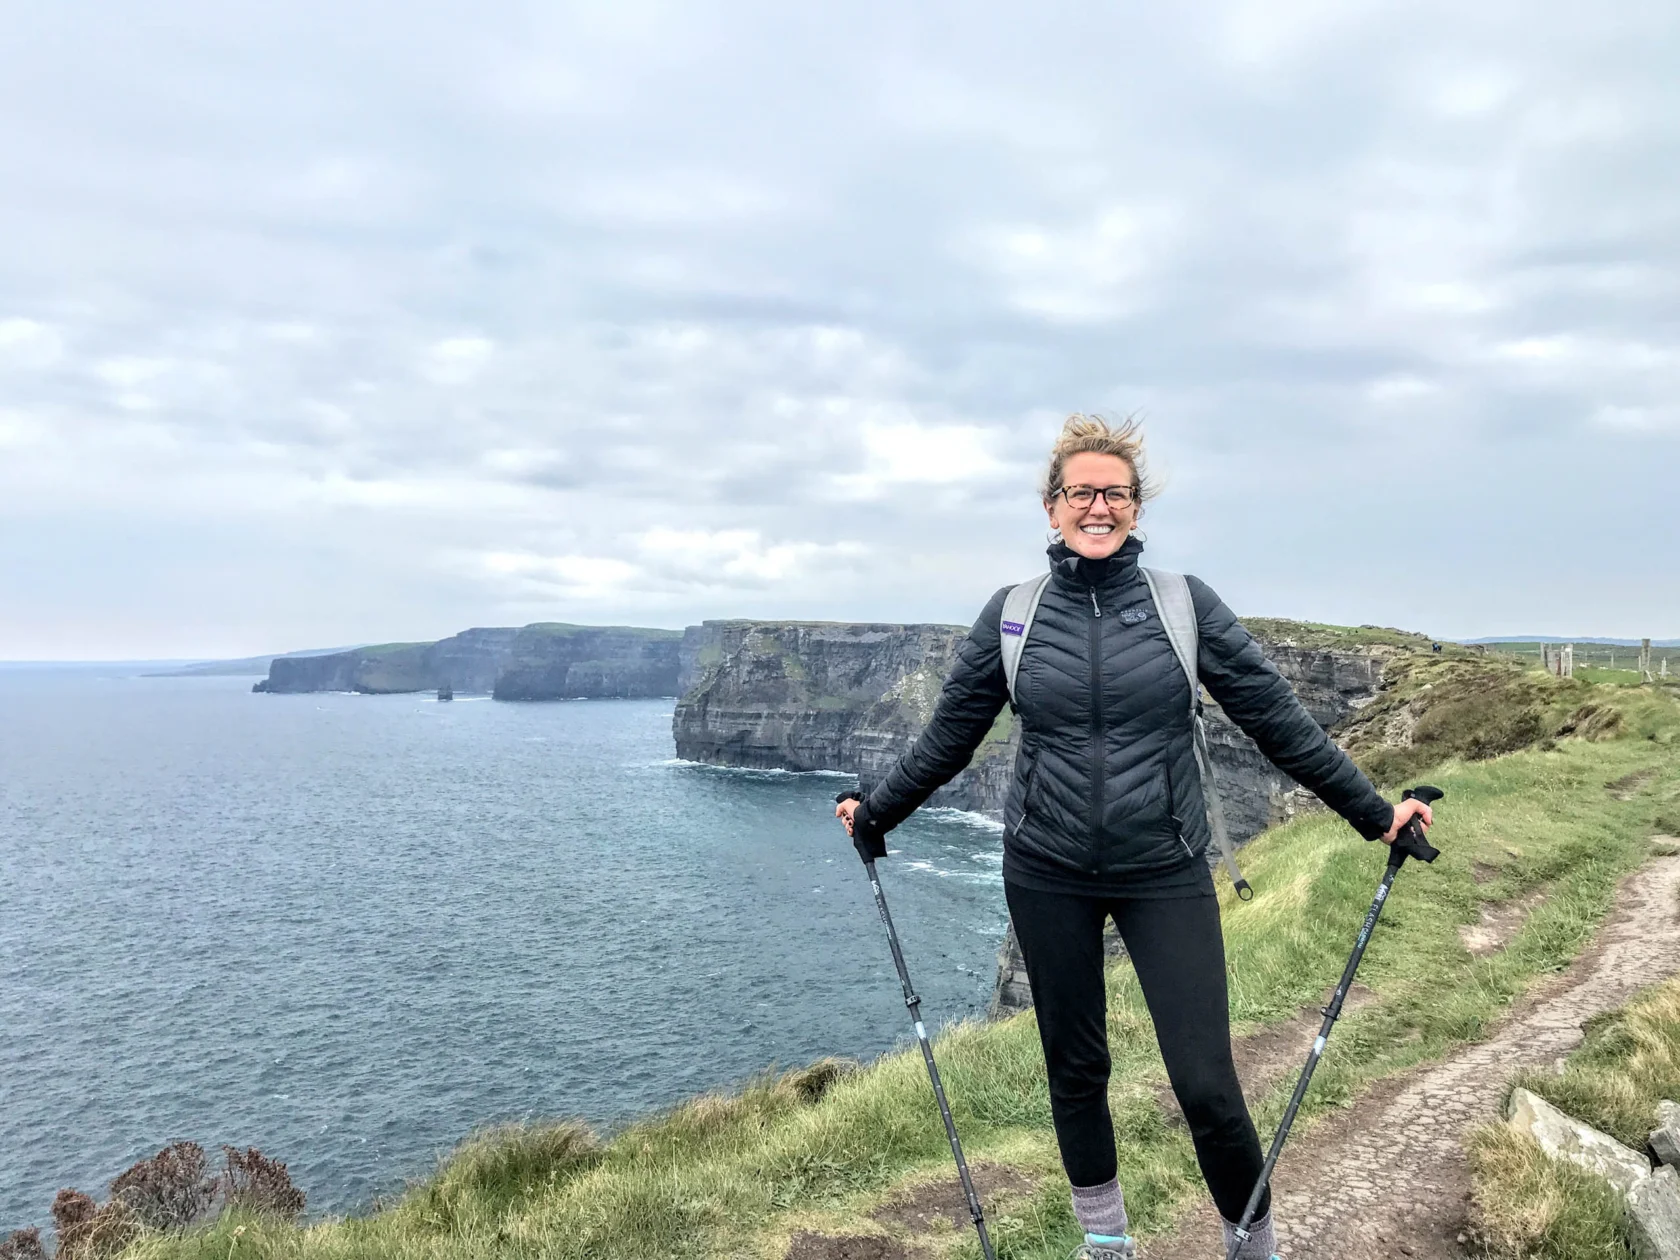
[1177,610]
[1020,606]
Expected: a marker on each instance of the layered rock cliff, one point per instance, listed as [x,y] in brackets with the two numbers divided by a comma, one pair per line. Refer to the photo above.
[382,669]
[852,697]
[551,661]
[545,661]
[808,695]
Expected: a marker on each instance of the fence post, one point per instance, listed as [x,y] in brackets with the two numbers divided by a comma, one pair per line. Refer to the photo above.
[1568,663]
[1644,660]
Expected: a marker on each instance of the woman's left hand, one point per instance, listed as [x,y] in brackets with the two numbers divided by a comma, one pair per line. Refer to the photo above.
[1403,813]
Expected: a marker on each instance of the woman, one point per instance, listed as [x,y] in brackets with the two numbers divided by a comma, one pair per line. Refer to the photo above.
[1105,818]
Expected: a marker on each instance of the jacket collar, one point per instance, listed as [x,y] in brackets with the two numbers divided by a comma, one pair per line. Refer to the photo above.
[1069,568]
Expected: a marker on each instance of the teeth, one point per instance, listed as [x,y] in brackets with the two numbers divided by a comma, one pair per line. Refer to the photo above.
[1096,529]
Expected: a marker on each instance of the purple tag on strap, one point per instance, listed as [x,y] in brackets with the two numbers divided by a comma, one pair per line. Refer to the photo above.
[1014,627]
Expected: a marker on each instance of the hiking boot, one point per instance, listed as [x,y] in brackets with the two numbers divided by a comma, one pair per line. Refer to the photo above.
[1103,1247]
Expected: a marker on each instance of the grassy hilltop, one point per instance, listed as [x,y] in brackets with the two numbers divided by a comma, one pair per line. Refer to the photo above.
[1555,789]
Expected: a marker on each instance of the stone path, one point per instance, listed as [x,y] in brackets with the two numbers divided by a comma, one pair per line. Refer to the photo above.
[1389,1178]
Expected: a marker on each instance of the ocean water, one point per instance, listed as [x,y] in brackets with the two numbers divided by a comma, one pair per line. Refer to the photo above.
[350,930]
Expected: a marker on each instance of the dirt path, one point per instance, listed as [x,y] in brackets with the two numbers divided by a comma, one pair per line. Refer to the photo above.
[1388,1178]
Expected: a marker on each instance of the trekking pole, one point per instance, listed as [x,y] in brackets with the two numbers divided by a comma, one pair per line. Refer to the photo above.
[915,1005]
[1409,843]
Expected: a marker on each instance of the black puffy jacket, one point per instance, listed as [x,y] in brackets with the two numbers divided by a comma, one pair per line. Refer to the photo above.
[1105,784]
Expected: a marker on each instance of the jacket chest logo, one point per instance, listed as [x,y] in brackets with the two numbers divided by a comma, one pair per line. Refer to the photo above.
[1133,616]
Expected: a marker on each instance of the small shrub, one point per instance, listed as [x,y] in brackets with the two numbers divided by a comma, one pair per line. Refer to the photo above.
[255,1183]
[22,1244]
[72,1209]
[88,1231]
[170,1190]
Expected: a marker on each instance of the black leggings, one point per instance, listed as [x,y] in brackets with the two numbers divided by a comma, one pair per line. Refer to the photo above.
[1179,954]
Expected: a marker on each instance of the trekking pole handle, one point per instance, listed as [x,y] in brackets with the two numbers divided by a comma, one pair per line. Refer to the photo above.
[1411,842]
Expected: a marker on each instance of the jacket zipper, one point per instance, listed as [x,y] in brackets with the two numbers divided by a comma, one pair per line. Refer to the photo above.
[1096,733]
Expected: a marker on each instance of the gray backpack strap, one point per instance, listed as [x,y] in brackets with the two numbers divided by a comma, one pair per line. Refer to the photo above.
[1177,611]
[1020,606]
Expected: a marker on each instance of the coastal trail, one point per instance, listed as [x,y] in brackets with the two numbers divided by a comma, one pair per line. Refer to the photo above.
[1388,1178]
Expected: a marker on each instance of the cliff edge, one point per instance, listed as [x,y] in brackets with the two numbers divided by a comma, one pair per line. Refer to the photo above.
[544,661]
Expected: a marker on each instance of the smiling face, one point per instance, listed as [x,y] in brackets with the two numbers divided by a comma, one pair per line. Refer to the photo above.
[1097,531]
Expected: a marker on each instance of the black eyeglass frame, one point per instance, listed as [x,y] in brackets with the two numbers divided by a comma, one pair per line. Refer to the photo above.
[1107,492]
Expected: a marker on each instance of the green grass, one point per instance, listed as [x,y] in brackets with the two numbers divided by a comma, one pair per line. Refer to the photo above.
[737,1175]
[1598,674]
[1620,655]
[1533,1205]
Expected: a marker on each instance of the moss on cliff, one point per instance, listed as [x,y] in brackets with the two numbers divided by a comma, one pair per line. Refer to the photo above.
[1470,706]
[1318,636]
[566,630]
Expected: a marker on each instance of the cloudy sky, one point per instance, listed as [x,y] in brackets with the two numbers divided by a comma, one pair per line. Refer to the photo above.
[327,323]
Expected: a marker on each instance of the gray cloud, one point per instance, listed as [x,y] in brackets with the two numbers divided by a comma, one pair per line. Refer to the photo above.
[319,327]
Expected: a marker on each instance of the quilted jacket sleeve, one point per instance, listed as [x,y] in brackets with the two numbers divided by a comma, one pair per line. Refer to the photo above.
[1260,701]
[969,703]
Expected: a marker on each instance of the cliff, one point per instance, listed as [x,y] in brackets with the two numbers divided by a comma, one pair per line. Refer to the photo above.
[551,661]
[539,662]
[380,669]
[852,697]
[812,695]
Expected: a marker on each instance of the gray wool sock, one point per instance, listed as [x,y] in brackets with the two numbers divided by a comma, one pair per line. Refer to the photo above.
[1262,1239]
[1101,1209]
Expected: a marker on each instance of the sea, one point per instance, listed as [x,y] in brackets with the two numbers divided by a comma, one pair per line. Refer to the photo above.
[353,930]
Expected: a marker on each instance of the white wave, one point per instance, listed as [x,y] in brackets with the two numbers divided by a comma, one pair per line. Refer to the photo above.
[767,771]
[968,817]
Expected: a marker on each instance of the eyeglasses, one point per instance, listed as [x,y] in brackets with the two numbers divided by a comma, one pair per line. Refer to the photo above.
[1084,496]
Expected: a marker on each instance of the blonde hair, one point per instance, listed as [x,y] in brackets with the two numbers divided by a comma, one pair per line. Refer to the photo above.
[1090,434]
